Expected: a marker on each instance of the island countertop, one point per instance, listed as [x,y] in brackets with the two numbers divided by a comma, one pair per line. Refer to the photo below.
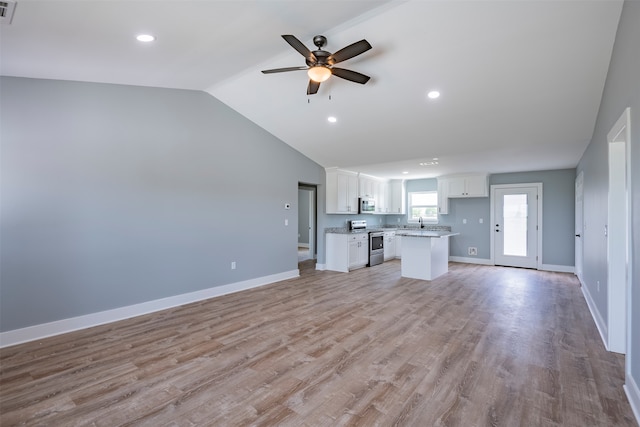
[425,233]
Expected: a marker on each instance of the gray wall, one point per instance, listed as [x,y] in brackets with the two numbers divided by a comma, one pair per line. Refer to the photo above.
[622,90]
[557,215]
[116,195]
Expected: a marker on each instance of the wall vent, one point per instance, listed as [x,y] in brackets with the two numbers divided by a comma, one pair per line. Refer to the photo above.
[7,7]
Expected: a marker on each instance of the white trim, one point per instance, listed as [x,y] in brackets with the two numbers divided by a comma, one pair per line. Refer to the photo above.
[619,245]
[36,332]
[303,245]
[633,395]
[595,314]
[321,267]
[559,268]
[481,261]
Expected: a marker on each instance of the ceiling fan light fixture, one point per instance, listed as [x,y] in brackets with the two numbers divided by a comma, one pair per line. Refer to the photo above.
[319,73]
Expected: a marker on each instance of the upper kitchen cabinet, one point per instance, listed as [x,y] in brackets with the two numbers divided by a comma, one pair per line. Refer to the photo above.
[472,185]
[396,200]
[371,187]
[342,191]
[443,198]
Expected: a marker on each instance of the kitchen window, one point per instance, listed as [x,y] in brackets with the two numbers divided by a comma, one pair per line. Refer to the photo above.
[423,204]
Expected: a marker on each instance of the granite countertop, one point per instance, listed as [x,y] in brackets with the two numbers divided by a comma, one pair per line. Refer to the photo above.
[402,230]
[425,233]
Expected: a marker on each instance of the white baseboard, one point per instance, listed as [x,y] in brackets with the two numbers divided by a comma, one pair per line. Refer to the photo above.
[321,267]
[633,395]
[558,268]
[597,318]
[36,332]
[303,245]
[466,260]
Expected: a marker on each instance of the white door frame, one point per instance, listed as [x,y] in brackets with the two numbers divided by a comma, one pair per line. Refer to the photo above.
[618,236]
[312,221]
[538,185]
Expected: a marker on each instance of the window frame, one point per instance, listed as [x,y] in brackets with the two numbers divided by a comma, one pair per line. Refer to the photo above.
[410,206]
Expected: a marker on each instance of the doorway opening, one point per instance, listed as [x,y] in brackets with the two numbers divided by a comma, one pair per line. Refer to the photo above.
[307,219]
[516,217]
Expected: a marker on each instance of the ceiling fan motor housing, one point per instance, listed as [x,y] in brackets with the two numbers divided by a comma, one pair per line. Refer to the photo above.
[322,58]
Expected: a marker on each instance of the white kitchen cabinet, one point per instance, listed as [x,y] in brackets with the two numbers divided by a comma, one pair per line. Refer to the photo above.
[398,247]
[397,197]
[389,245]
[341,191]
[346,252]
[366,186]
[475,185]
[382,204]
[443,197]
[358,250]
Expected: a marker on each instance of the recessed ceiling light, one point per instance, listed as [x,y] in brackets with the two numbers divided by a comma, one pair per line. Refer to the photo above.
[145,38]
[432,163]
[405,172]
[332,119]
[433,94]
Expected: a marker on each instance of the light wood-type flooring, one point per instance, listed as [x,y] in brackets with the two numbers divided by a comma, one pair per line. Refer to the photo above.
[479,346]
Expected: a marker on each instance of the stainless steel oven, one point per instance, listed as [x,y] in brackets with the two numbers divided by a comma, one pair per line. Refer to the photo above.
[376,248]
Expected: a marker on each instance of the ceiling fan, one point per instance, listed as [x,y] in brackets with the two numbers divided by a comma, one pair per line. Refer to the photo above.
[320,63]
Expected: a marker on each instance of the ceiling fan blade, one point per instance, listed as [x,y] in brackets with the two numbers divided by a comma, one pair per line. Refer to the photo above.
[282,70]
[350,51]
[350,75]
[300,47]
[313,87]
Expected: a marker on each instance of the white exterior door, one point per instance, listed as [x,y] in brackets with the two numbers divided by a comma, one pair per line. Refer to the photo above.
[515,226]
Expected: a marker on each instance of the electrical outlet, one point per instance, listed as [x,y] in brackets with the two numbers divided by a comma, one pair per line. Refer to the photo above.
[473,251]
[233,265]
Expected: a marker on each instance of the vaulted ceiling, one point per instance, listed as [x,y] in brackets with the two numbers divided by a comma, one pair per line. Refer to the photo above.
[520,81]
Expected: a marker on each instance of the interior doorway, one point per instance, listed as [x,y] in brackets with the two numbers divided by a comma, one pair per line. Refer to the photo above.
[618,231]
[516,225]
[306,222]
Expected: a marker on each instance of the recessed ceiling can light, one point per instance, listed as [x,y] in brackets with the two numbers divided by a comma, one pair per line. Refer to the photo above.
[432,163]
[145,38]
[332,119]
[433,94]
[405,172]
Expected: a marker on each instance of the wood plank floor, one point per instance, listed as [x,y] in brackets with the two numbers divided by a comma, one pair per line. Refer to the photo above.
[480,346]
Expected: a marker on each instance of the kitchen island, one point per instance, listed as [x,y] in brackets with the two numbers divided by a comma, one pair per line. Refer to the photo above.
[425,254]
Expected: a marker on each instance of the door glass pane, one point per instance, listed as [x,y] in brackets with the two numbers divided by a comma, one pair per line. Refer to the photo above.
[515,224]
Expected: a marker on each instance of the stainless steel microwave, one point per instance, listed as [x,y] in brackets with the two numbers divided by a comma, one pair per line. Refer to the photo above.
[366,205]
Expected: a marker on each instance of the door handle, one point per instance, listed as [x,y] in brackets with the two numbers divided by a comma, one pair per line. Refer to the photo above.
[497,231]
[577,235]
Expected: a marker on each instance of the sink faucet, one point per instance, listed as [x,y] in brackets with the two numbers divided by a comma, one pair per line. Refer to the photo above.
[421,223]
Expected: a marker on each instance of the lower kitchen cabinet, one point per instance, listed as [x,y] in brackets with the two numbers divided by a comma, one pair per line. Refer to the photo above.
[389,245]
[398,247]
[347,251]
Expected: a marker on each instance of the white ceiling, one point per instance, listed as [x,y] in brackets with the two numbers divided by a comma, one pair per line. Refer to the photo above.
[521,81]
